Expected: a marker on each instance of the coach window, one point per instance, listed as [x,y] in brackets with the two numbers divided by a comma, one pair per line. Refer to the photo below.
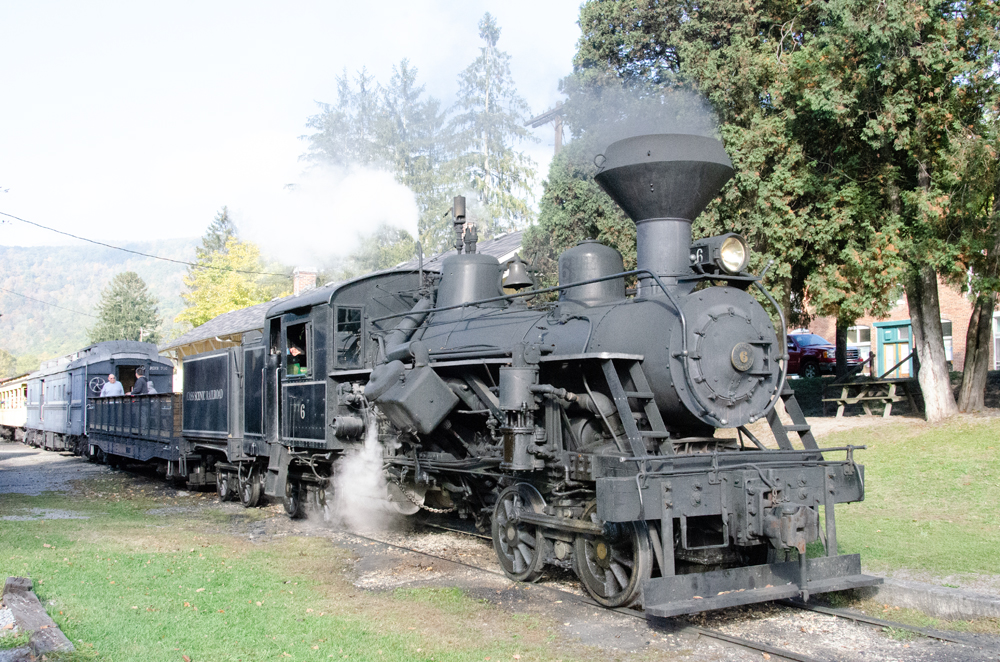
[297,349]
[349,340]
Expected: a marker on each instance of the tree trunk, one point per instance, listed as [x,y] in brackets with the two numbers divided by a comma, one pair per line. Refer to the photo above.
[928,340]
[841,342]
[972,395]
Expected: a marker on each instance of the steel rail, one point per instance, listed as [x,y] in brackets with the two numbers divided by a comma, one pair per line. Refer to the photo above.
[705,632]
[796,604]
[878,622]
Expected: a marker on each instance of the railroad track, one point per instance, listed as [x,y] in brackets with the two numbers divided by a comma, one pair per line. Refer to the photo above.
[679,626]
[675,627]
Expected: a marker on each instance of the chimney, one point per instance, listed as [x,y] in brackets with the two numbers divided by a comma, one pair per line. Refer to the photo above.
[303,279]
[663,181]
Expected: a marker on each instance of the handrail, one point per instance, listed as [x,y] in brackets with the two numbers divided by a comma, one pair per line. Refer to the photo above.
[529,293]
[684,354]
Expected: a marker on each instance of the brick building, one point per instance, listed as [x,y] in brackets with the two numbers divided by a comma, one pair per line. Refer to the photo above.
[891,340]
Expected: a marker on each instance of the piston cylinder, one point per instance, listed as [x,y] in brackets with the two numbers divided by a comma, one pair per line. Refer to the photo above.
[518,404]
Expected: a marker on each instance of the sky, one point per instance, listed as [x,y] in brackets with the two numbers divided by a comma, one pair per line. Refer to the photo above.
[131,121]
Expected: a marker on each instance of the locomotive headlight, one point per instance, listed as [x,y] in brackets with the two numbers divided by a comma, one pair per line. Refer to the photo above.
[733,254]
[727,253]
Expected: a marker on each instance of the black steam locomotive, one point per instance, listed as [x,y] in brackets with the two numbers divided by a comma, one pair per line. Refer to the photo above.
[580,431]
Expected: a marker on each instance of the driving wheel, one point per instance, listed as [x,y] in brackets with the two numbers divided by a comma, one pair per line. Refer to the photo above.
[519,546]
[613,565]
[293,499]
[223,487]
[250,489]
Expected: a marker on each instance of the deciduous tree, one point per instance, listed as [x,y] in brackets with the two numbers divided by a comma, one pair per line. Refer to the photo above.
[223,283]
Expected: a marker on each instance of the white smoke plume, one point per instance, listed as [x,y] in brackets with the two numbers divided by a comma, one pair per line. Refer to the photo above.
[607,113]
[321,215]
[359,500]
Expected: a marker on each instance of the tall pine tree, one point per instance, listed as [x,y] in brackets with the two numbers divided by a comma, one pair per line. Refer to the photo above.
[488,123]
[127,311]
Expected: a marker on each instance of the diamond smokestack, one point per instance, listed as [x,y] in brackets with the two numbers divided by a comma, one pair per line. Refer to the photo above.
[663,181]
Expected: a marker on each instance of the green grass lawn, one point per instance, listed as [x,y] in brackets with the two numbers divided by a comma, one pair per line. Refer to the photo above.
[126,585]
[932,500]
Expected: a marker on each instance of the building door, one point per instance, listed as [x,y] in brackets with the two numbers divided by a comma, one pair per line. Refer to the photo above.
[894,346]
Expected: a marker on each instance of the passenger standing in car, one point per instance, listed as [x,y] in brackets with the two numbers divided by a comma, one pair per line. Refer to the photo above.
[139,388]
[112,388]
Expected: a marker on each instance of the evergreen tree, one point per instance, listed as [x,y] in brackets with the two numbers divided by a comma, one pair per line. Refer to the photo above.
[397,128]
[219,232]
[348,132]
[415,139]
[858,131]
[489,120]
[127,311]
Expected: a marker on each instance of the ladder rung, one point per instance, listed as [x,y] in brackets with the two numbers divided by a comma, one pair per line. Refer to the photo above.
[654,434]
[648,395]
[798,428]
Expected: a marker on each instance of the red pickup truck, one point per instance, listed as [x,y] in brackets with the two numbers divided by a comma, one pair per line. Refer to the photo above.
[810,355]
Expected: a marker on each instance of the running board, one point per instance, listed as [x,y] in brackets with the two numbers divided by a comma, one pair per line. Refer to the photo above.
[719,589]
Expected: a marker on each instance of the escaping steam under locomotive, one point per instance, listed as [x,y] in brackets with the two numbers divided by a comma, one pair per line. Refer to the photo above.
[580,431]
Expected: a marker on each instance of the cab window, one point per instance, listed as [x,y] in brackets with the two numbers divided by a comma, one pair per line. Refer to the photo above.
[348,334]
[296,349]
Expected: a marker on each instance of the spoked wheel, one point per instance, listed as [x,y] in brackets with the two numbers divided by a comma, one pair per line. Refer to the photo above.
[293,499]
[613,565]
[324,500]
[223,486]
[250,489]
[520,547]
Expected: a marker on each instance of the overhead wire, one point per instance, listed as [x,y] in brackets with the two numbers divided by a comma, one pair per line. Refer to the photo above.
[128,250]
[3,289]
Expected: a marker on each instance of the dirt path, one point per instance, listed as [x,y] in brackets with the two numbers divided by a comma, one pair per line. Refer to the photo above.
[26,470]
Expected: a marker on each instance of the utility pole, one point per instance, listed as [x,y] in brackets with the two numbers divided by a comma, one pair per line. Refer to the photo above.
[553,115]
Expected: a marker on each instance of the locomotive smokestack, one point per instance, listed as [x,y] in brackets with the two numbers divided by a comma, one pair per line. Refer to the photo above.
[663,181]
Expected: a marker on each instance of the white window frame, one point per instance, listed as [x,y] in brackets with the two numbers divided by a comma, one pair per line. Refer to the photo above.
[948,352]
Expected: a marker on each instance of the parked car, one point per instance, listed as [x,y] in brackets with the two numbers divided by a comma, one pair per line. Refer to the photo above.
[811,355]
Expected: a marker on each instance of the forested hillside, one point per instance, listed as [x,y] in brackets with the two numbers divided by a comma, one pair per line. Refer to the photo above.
[73,277]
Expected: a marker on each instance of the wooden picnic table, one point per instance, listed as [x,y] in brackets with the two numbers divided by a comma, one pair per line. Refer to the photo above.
[865,393]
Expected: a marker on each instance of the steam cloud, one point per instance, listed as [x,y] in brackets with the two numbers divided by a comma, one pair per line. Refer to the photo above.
[602,115]
[359,488]
[322,214]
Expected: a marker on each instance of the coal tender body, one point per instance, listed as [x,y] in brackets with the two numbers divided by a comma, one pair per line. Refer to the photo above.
[582,432]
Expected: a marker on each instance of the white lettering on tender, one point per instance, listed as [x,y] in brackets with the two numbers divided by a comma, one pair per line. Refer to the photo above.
[197,396]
